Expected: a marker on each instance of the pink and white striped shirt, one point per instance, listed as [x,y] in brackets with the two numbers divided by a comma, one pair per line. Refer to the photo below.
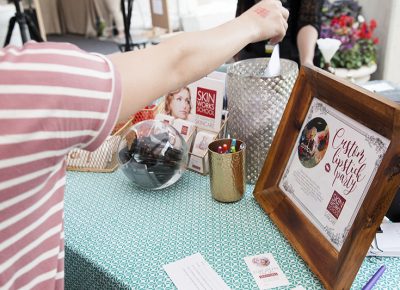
[53,97]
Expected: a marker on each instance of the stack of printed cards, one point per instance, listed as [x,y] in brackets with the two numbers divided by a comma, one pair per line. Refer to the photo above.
[199,158]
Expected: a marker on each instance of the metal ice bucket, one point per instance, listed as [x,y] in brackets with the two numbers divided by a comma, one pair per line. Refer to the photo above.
[256,104]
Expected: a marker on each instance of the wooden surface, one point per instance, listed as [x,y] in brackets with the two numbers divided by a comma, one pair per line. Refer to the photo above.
[335,269]
[160,20]
[39,17]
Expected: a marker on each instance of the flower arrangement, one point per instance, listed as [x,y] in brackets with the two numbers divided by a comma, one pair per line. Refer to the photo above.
[343,20]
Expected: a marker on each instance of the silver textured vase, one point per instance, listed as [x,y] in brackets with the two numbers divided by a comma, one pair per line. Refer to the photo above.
[256,104]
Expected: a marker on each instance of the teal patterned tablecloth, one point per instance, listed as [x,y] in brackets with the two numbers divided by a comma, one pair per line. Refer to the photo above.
[119,236]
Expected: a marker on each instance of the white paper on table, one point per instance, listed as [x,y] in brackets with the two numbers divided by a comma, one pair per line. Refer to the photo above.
[274,66]
[379,87]
[194,272]
[386,243]
[299,287]
[158,7]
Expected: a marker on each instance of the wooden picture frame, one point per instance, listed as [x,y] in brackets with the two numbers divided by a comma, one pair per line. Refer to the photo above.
[336,265]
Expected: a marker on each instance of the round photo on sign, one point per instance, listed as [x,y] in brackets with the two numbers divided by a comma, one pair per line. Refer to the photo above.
[313,142]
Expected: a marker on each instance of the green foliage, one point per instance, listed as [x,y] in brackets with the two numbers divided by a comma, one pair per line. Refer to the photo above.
[343,20]
[363,53]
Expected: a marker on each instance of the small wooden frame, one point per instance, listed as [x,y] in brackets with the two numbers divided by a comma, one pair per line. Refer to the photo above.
[335,259]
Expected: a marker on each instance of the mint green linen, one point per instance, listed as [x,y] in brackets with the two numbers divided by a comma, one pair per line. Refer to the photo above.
[119,236]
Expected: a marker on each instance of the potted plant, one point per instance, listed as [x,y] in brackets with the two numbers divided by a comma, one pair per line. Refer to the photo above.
[356,57]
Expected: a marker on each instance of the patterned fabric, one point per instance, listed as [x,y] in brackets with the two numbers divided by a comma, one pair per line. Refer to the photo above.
[119,236]
[53,98]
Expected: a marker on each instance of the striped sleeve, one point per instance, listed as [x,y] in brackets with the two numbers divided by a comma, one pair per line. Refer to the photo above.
[53,97]
[74,93]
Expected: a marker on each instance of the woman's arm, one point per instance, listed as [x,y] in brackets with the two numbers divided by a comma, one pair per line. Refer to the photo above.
[309,23]
[306,41]
[150,73]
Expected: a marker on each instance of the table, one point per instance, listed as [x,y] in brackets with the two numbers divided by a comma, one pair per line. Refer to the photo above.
[119,236]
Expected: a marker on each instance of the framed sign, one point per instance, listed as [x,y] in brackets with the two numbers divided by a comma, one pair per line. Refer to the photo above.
[331,173]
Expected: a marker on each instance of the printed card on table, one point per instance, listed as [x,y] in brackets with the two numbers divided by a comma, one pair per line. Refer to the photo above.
[207,100]
[193,273]
[331,169]
[266,271]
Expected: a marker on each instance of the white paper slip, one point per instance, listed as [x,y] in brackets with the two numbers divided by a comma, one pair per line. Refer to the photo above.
[387,243]
[274,66]
[266,271]
[378,87]
[194,272]
[299,287]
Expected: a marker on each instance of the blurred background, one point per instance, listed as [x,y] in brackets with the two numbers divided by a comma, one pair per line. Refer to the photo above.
[99,25]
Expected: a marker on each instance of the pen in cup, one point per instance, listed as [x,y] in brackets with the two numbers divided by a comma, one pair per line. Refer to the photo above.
[225,148]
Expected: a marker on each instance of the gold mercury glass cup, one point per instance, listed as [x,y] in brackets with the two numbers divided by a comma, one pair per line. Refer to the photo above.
[227,171]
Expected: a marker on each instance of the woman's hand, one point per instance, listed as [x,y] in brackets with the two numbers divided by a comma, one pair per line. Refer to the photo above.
[187,57]
[267,19]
